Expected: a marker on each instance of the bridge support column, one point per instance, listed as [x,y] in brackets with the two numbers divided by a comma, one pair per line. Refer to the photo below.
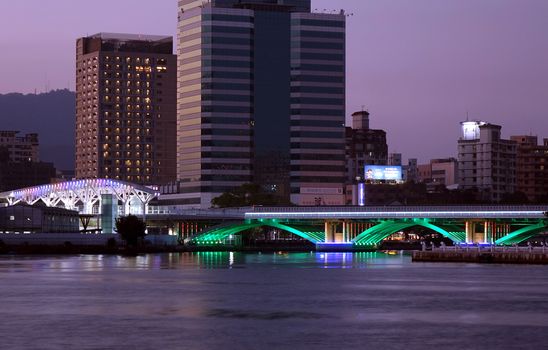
[488,232]
[470,229]
[329,232]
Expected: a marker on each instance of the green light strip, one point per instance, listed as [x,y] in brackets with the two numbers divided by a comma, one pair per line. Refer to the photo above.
[522,234]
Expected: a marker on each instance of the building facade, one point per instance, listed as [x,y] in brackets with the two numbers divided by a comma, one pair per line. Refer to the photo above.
[532,168]
[261,98]
[364,146]
[395,159]
[20,148]
[20,165]
[126,108]
[439,172]
[22,218]
[411,170]
[486,162]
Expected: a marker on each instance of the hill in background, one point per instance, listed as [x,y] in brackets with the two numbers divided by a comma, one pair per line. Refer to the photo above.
[51,115]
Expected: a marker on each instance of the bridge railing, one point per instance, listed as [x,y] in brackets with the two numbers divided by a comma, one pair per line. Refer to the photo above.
[426,208]
[213,213]
[456,211]
[491,248]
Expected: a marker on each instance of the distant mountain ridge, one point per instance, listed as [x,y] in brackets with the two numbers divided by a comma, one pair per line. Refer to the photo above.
[51,115]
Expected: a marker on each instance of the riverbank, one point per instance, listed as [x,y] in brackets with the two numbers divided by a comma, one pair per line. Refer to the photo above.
[484,255]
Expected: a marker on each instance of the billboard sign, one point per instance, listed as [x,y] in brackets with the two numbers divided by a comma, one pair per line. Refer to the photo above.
[383,173]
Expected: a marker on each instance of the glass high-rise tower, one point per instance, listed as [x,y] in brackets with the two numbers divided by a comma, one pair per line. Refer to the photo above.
[261,98]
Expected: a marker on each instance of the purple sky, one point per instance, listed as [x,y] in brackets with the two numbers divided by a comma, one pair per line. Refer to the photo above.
[417,65]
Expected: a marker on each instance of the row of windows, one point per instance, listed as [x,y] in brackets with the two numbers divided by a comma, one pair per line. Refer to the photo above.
[138,60]
[315,179]
[318,101]
[318,134]
[137,68]
[210,189]
[320,56]
[226,86]
[318,89]
[239,178]
[226,29]
[124,107]
[318,112]
[128,131]
[227,63]
[227,75]
[227,52]
[224,166]
[313,145]
[317,79]
[318,23]
[317,34]
[231,98]
[319,67]
[227,18]
[209,39]
[225,143]
[318,123]
[318,168]
[227,132]
[227,109]
[336,157]
[318,45]
[227,155]
[228,121]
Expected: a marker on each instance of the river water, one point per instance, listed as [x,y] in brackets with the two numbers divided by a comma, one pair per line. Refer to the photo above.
[269,301]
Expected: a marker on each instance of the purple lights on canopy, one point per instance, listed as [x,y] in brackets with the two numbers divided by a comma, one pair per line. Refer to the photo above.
[86,191]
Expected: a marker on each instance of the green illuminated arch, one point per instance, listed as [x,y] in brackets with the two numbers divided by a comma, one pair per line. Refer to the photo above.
[522,234]
[377,233]
[218,235]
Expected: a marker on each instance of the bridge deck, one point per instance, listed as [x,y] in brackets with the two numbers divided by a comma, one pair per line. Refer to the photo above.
[399,212]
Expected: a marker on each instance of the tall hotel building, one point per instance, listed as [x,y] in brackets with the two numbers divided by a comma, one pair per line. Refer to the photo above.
[126,108]
[261,98]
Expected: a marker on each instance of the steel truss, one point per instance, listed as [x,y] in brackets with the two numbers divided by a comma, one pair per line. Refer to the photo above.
[86,193]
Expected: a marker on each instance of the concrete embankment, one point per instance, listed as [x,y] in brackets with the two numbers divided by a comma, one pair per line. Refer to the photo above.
[486,256]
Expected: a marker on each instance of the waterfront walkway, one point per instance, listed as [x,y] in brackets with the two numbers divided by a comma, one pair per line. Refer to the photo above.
[484,254]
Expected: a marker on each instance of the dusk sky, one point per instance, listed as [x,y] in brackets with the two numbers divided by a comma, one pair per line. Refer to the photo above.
[417,65]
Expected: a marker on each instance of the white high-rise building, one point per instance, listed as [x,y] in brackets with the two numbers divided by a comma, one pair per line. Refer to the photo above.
[486,162]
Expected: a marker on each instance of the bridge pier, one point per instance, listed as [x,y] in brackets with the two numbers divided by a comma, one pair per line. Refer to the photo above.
[336,232]
[330,228]
[488,229]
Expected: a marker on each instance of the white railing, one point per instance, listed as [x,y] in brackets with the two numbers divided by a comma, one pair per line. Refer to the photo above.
[491,249]
[388,212]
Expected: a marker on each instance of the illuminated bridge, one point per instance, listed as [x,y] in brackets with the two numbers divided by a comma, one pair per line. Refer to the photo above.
[368,226]
[106,199]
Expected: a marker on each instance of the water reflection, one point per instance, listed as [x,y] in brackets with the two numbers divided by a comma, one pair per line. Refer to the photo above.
[239,300]
[205,260]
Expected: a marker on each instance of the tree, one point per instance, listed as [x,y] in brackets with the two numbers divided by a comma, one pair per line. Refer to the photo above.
[247,195]
[514,198]
[131,229]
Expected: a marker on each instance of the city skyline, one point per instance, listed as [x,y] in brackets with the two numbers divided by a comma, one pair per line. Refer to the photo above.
[405,62]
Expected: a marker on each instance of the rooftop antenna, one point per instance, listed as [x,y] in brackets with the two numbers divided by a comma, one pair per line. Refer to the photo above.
[467,119]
